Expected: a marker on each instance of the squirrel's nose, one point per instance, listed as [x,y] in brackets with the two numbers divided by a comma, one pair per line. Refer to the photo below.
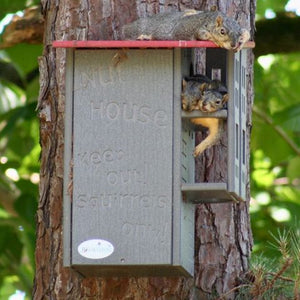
[234,44]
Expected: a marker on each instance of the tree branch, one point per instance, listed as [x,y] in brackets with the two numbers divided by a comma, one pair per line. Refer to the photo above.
[278,35]
[26,29]
[277,128]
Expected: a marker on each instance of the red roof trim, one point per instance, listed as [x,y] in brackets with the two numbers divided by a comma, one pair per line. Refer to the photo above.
[139,44]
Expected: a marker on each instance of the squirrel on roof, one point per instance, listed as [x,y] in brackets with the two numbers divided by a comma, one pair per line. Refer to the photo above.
[191,24]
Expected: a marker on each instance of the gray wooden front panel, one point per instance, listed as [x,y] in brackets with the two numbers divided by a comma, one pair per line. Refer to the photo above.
[122,153]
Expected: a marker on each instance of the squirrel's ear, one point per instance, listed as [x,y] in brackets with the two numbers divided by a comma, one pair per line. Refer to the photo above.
[211,86]
[219,21]
[225,98]
[213,8]
[203,87]
[184,84]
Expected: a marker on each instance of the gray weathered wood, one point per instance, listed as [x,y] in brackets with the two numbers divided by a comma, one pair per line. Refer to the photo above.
[68,144]
[129,167]
[222,114]
[122,180]
[184,212]
[206,193]
[126,189]
[243,125]
[230,69]
[237,123]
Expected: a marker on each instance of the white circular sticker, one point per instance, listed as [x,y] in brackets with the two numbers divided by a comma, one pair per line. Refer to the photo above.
[95,249]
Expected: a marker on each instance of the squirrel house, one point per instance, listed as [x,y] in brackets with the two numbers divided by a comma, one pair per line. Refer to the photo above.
[129,187]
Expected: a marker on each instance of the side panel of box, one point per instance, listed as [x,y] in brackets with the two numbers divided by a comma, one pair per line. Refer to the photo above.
[237,144]
[122,179]
[68,158]
[184,213]
[243,128]
[187,131]
[187,150]
[233,123]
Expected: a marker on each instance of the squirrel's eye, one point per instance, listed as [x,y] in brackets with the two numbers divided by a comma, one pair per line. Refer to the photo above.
[218,102]
[222,31]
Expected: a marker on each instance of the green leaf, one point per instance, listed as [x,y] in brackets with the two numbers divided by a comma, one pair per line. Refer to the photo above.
[275,5]
[266,138]
[8,287]
[25,56]
[10,246]
[26,206]
[8,72]
[289,118]
[293,169]
[15,115]
[8,6]
[32,89]
[10,96]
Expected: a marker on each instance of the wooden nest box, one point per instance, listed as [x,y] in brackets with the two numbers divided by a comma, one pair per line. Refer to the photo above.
[129,187]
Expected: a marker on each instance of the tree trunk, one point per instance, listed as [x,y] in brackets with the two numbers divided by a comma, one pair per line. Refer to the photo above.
[223,235]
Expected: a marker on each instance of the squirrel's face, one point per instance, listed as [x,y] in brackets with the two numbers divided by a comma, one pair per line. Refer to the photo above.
[237,40]
[212,101]
[228,34]
[202,96]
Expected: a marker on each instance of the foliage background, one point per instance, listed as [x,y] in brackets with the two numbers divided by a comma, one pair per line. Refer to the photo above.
[275,152]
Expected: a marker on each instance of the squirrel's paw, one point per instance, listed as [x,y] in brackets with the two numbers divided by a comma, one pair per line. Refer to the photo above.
[198,150]
[144,37]
[184,104]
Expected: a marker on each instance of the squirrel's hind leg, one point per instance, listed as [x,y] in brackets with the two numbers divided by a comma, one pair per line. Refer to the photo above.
[215,132]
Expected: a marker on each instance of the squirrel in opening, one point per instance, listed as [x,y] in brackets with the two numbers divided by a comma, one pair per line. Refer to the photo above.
[201,93]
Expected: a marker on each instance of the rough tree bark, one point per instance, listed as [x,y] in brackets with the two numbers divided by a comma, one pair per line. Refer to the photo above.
[223,234]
